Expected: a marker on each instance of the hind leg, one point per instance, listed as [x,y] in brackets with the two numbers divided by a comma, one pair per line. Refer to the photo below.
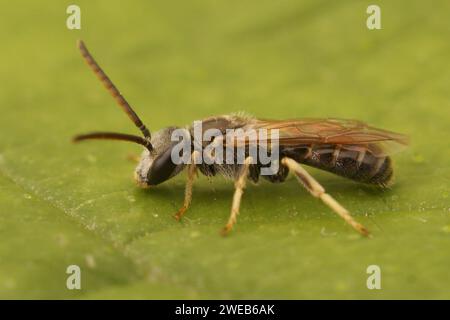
[319,192]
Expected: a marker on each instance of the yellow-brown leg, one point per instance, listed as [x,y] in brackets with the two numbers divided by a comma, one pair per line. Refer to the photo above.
[319,192]
[239,190]
[191,173]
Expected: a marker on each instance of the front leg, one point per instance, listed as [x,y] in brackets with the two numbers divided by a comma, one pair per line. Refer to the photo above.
[191,173]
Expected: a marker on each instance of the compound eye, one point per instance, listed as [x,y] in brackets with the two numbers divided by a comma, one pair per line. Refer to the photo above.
[162,167]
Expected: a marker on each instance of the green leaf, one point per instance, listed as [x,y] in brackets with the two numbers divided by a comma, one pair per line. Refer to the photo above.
[64,204]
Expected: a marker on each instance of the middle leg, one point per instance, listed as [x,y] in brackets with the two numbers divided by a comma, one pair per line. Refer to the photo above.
[239,190]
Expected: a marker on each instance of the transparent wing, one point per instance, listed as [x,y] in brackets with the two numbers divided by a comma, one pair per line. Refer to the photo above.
[352,133]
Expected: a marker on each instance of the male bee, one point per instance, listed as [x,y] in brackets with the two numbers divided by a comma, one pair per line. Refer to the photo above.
[348,148]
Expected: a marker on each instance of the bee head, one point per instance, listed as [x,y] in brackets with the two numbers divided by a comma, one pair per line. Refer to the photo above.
[156,165]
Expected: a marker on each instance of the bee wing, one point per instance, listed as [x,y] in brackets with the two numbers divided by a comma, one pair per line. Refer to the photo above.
[352,133]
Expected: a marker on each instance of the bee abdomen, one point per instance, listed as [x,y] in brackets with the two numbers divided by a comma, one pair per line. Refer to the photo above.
[354,163]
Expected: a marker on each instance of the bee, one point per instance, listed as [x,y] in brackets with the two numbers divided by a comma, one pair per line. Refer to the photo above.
[348,148]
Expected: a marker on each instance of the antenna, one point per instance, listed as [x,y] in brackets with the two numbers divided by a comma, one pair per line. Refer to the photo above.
[114,136]
[101,75]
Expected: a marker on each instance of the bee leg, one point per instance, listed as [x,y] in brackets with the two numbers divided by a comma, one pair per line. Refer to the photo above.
[239,190]
[319,192]
[191,173]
